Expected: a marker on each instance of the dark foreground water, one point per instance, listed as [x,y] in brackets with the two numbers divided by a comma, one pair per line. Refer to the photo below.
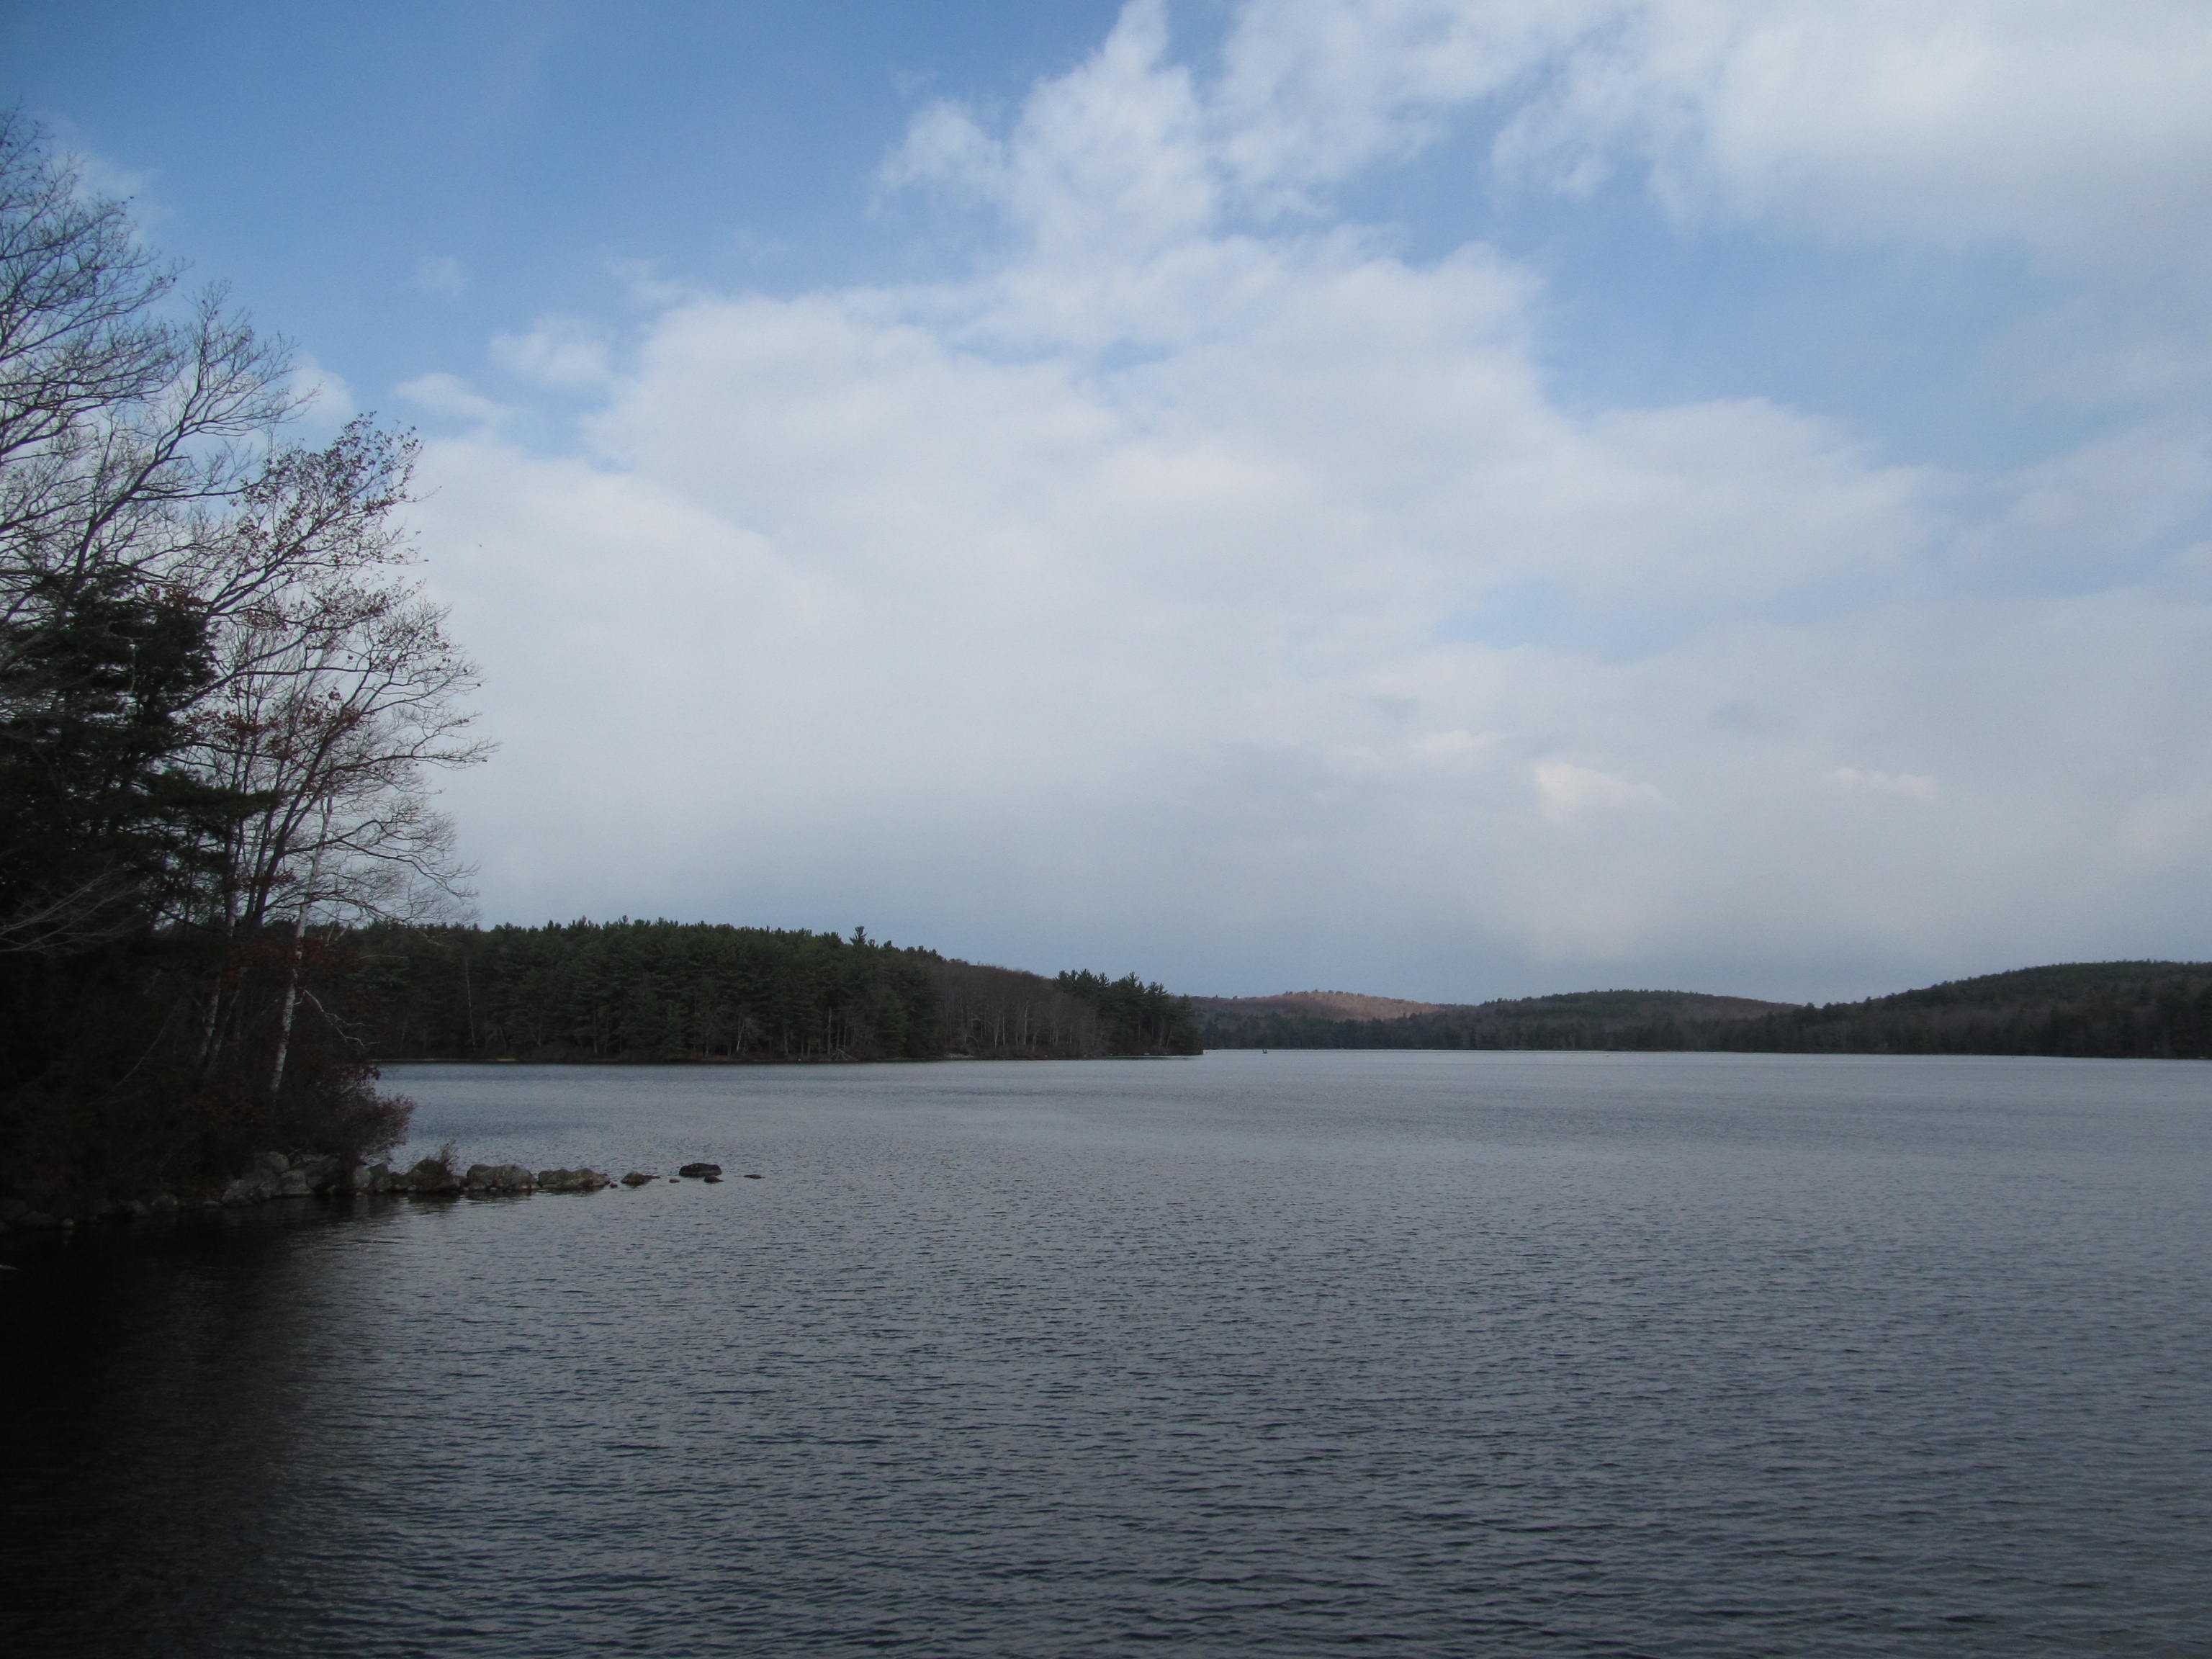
[1413,1354]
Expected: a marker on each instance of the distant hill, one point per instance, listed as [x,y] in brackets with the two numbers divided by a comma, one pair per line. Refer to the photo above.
[1580,1019]
[2117,1010]
[2106,1009]
[1318,1004]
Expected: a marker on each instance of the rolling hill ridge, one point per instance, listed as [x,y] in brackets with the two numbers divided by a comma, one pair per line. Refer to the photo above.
[2133,1010]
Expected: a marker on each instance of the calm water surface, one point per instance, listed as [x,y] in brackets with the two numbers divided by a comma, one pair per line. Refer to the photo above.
[1489,1354]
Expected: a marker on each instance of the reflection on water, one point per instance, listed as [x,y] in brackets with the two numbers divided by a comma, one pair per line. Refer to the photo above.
[1434,1354]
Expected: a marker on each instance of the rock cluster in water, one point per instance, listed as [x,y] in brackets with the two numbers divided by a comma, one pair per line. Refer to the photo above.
[276,1174]
[435,1178]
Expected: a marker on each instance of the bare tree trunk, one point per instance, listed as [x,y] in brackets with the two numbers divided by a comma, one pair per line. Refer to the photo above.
[292,967]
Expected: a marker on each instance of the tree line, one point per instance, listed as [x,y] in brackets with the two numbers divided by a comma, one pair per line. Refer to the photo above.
[2117,1010]
[221,697]
[665,991]
[2101,1009]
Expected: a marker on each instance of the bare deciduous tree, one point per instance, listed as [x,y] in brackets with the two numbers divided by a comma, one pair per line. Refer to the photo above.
[127,433]
[337,689]
[199,625]
[121,427]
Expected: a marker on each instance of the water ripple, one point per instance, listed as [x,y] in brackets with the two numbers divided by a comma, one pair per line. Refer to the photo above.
[1661,1356]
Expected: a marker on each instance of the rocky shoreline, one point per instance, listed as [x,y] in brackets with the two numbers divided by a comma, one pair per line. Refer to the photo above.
[279,1176]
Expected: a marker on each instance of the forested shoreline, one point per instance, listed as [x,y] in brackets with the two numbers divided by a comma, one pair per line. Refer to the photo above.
[2111,1010]
[666,991]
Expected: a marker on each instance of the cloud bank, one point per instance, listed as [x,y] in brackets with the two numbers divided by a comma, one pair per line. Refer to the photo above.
[1196,584]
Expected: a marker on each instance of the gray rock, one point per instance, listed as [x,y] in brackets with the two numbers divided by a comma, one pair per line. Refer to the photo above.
[700,1171]
[276,1175]
[498,1178]
[248,1189]
[635,1179]
[570,1180]
[431,1178]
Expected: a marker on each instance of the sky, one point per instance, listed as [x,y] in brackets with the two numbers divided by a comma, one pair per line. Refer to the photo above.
[1441,498]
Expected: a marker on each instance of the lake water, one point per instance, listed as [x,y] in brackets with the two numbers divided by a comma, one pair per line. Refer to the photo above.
[1292,1353]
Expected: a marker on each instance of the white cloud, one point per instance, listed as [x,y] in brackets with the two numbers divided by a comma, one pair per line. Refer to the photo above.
[1314,91]
[101,179]
[564,354]
[945,146]
[1166,593]
[2073,128]
[449,397]
[1572,793]
[326,401]
[2112,506]
[440,276]
[1105,163]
